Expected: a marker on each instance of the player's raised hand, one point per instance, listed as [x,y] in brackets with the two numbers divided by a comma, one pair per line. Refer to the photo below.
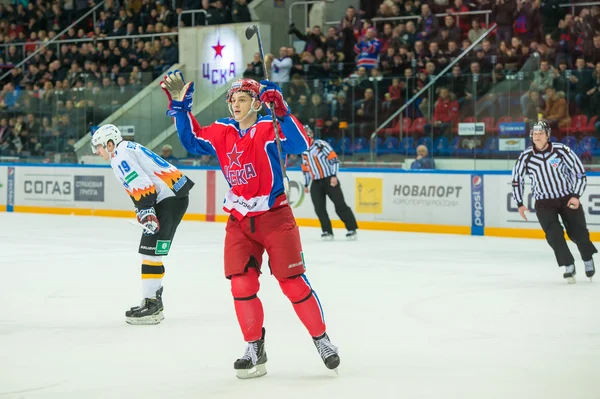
[173,84]
[179,92]
[270,93]
[522,210]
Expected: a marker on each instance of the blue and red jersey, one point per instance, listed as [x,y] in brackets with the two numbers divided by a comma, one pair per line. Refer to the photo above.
[249,160]
[368,52]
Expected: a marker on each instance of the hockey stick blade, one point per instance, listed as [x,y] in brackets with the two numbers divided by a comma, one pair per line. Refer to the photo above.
[141,226]
[251,31]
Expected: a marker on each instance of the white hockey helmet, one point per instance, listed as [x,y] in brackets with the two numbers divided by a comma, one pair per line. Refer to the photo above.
[104,134]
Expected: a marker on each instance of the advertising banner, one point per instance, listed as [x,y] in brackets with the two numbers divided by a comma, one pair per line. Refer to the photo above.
[68,187]
[501,208]
[427,199]
[512,144]
[512,129]
[86,188]
[471,129]
[369,195]
[215,55]
[477,207]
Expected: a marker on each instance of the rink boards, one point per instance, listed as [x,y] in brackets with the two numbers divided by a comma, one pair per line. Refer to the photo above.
[458,202]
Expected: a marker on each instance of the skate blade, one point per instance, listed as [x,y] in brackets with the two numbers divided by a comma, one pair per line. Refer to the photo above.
[327,238]
[571,280]
[146,320]
[351,238]
[257,371]
[590,275]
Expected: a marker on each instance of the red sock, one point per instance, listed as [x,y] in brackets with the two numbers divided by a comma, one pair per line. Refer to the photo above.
[248,307]
[306,304]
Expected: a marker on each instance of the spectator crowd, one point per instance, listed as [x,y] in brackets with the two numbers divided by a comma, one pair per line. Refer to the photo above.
[542,60]
[101,63]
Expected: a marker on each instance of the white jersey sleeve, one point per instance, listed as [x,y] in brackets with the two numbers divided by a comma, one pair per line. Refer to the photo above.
[147,178]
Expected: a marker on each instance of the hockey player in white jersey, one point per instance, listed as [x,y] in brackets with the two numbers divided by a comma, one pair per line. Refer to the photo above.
[160,194]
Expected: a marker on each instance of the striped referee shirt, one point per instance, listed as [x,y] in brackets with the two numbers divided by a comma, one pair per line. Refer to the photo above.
[319,162]
[555,173]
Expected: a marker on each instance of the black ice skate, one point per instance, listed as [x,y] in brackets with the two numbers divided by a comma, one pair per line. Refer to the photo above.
[569,274]
[351,235]
[326,236]
[149,312]
[590,270]
[328,352]
[253,363]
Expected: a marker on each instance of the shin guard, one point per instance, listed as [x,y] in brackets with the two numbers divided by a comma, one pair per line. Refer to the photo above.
[248,307]
[305,302]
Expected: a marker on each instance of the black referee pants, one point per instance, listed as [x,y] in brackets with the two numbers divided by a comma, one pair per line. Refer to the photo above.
[319,191]
[547,212]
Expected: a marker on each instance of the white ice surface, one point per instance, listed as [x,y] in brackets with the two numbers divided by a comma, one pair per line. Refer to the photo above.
[414,315]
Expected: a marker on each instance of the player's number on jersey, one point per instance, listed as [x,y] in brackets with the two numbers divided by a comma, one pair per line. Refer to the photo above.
[156,158]
[124,167]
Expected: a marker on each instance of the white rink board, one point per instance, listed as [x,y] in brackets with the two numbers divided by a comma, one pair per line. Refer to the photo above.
[65,187]
[3,185]
[442,202]
[198,192]
[501,208]
[61,187]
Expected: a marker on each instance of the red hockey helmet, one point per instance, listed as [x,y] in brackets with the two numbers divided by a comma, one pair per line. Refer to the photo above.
[250,86]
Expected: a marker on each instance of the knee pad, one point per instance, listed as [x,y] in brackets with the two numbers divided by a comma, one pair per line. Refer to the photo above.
[244,287]
[296,289]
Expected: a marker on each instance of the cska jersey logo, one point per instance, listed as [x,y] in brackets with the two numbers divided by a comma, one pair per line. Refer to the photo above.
[235,173]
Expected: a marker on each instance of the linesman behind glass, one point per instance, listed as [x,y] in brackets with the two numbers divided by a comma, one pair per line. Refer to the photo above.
[320,165]
[558,181]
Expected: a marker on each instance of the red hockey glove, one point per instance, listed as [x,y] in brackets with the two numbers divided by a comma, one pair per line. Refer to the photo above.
[271,93]
[148,219]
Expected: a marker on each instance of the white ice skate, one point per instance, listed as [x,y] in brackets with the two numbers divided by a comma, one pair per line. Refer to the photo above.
[253,363]
[569,274]
[590,269]
[327,236]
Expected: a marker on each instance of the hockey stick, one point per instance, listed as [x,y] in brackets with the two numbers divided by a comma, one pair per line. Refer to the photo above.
[136,223]
[250,32]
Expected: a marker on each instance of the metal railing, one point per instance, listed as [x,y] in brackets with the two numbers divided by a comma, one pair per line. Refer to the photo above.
[51,41]
[487,14]
[398,113]
[92,39]
[573,5]
[192,12]
[305,4]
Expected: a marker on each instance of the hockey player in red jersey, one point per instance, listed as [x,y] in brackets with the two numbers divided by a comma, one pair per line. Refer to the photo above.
[260,216]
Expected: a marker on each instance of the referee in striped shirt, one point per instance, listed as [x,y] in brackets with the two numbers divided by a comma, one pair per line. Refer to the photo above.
[320,165]
[558,181]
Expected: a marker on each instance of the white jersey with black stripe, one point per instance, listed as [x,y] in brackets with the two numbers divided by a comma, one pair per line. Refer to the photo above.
[554,173]
[319,161]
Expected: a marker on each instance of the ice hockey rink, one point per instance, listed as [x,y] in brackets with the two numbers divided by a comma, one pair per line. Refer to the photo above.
[414,316]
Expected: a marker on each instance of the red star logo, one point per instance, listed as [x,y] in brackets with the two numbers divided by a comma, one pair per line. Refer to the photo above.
[234,156]
[218,49]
